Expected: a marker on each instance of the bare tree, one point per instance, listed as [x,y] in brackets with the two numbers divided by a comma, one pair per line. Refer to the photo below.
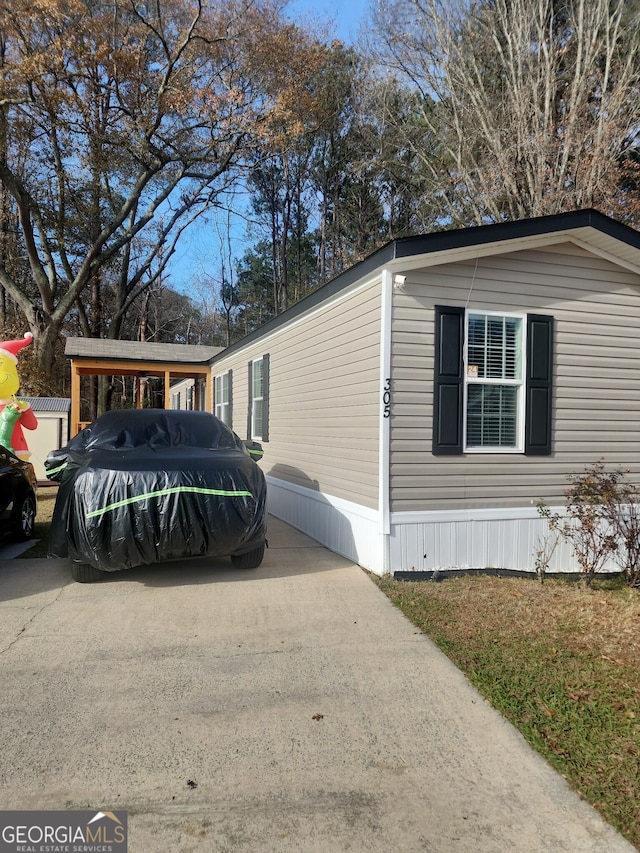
[529,105]
[119,115]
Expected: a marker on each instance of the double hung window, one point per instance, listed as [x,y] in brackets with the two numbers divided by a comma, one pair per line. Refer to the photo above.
[258,415]
[492,382]
[222,394]
[257,399]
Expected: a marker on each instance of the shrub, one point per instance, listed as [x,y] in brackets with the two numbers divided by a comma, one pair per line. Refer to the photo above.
[545,545]
[622,511]
[602,521]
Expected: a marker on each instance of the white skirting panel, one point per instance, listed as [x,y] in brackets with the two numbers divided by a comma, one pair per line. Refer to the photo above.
[421,541]
[474,539]
[342,526]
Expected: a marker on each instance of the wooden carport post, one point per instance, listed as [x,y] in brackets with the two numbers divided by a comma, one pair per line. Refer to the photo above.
[75,398]
[167,389]
[208,384]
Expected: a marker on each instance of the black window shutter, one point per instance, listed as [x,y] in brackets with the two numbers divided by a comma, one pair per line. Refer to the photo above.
[539,387]
[448,385]
[250,399]
[265,397]
[230,409]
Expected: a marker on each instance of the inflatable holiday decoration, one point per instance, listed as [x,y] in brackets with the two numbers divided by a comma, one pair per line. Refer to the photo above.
[15,415]
[8,419]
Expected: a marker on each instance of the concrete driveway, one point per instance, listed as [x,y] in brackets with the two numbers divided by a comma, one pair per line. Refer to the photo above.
[289,708]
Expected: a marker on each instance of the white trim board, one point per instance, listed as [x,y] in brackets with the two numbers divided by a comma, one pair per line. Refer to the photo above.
[471,514]
[384,415]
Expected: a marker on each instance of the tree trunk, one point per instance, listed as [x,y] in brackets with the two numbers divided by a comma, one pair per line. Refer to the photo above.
[44,344]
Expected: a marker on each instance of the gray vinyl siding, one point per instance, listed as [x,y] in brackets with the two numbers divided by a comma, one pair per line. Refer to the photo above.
[596,408]
[323,396]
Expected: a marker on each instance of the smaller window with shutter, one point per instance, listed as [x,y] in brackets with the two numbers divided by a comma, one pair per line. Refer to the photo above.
[222,395]
[258,414]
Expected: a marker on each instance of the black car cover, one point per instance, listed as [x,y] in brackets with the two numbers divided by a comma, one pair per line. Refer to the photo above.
[144,486]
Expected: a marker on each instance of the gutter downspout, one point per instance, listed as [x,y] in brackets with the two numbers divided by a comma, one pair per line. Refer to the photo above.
[386,293]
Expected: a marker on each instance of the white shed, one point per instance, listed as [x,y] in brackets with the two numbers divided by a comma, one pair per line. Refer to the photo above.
[52,433]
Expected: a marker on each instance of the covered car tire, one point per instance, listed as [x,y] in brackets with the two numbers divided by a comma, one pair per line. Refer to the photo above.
[24,518]
[248,560]
[83,573]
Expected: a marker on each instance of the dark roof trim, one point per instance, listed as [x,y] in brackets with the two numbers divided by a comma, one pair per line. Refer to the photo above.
[502,231]
[441,241]
[371,263]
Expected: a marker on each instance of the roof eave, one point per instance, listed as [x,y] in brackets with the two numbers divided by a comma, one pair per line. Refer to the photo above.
[589,229]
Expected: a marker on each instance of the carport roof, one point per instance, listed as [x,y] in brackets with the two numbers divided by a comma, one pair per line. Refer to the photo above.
[98,357]
[108,350]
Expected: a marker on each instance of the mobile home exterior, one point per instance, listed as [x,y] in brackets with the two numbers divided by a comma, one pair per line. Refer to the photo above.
[415,410]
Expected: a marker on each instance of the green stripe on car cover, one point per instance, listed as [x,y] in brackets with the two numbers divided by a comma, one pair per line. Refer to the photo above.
[57,470]
[173,491]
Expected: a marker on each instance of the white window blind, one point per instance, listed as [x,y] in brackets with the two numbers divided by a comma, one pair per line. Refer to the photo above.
[494,381]
[257,398]
[222,398]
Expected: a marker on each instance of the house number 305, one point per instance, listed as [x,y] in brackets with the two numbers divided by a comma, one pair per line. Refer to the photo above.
[386,398]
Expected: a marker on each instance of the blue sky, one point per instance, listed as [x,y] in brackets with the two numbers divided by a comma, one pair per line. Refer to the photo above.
[346,15]
[198,253]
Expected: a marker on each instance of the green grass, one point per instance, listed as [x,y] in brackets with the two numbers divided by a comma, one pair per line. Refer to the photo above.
[560,662]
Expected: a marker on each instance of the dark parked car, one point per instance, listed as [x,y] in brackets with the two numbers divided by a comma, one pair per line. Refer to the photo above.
[18,502]
[148,485]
